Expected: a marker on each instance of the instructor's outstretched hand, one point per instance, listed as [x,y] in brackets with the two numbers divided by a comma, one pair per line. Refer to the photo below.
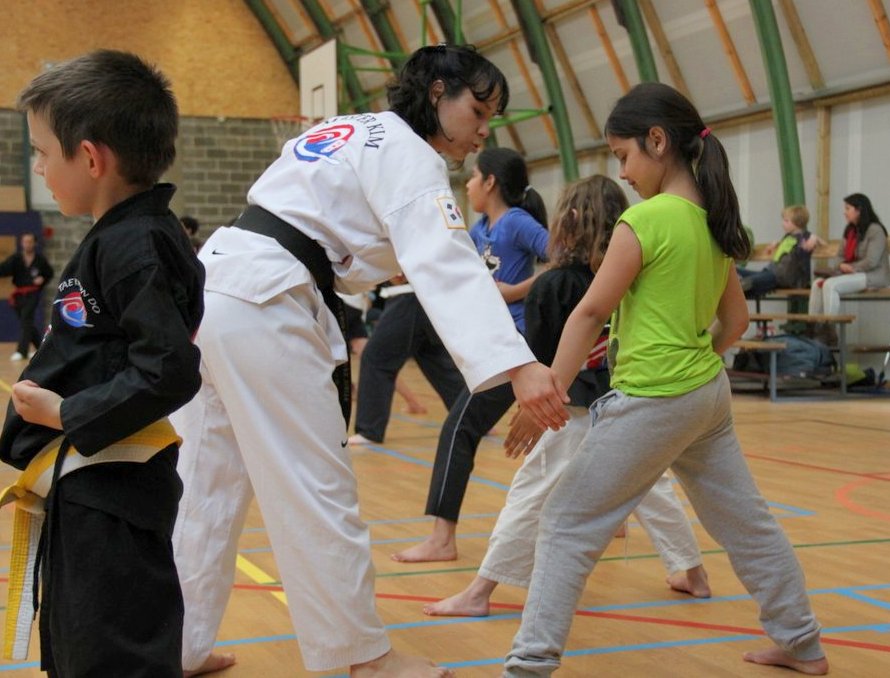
[540,394]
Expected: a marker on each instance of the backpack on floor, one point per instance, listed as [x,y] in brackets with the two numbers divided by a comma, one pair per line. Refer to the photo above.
[802,357]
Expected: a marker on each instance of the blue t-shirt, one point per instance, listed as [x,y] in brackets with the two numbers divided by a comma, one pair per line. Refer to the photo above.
[509,248]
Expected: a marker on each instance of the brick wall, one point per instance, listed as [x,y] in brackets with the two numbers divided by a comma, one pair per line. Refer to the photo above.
[217,161]
[12,167]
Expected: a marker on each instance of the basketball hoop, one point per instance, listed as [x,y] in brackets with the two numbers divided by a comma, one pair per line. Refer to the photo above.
[286,127]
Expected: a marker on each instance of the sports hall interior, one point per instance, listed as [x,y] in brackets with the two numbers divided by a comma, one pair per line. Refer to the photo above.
[798,91]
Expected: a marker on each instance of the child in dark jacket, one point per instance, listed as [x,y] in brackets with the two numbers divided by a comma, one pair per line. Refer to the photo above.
[88,418]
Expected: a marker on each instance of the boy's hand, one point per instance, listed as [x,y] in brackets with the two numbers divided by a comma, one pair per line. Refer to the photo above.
[523,435]
[37,405]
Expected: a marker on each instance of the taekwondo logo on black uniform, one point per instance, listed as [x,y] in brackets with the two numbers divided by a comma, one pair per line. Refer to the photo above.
[73,306]
[321,144]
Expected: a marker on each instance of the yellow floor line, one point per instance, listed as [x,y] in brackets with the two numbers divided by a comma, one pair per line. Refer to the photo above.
[6,387]
[259,576]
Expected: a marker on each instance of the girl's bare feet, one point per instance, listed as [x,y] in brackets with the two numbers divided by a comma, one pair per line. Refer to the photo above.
[440,545]
[471,602]
[775,656]
[394,665]
[213,663]
[693,581]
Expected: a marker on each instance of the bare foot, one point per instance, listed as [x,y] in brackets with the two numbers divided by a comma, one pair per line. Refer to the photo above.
[430,550]
[440,545]
[394,665]
[213,663]
[775,656]
[693,581]
[471,602]
[415,407]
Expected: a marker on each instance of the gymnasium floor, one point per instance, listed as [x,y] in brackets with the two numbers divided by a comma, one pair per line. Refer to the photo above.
[823,467]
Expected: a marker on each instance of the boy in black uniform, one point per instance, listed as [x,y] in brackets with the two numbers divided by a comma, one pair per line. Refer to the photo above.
[118,358]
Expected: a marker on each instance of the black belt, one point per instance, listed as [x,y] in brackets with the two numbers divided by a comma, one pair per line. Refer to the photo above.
[312,256]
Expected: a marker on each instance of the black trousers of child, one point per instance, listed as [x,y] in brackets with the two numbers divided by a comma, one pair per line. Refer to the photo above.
[111,603]
[403,331]
[470,418]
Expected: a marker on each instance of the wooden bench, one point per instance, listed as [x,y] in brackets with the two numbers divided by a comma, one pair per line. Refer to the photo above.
[772,347]
[841,321]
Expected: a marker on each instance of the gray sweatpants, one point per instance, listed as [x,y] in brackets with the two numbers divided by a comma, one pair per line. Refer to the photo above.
[632,442]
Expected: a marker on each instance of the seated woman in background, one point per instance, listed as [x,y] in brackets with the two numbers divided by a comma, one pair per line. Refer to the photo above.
[863,254]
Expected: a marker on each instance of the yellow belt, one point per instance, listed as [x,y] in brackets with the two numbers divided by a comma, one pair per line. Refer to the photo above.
[29,493]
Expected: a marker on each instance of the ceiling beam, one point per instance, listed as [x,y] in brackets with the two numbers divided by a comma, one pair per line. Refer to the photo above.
[738,69]
[539,49]
[628,13]
[664,46]
[802,42]
[781,99]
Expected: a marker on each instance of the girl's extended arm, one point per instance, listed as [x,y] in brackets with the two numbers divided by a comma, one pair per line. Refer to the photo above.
[732,315]
[622,263]
[517,291]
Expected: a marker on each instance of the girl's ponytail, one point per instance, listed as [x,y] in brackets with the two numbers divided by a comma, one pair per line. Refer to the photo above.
[711,172]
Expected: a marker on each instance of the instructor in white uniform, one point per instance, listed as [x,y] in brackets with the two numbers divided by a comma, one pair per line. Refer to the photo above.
[369,195]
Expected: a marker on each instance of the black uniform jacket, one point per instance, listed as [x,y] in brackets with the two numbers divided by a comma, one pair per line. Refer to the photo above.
[119,349]
[548,305]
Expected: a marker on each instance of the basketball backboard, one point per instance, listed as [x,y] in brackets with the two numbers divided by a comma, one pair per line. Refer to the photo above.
[318,83]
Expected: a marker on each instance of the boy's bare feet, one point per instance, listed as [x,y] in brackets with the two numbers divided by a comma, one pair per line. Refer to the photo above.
[693,581]
[213,663]
[394,665]
[775,656]
[471,602]
[440,545]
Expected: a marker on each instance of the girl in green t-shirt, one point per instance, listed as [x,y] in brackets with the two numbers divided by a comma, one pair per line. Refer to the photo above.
[675,302]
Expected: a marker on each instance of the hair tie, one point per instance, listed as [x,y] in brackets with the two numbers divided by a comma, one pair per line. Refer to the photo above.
[526,190]
[705,132]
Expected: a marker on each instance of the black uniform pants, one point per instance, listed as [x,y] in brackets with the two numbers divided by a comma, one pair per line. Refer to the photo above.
[472,416]
[111,603]
[26,309]
[403,331]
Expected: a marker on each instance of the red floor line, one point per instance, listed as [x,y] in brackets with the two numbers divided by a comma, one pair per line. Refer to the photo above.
[657,620]
[843,496]
[874,476]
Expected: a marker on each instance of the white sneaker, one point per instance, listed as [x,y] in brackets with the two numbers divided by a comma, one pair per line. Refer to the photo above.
[32,353]
[359,439]
[16,357]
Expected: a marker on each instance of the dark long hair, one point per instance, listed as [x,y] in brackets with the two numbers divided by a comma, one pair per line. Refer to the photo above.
[653,104]
[511,178]
[459,67]
[867,215]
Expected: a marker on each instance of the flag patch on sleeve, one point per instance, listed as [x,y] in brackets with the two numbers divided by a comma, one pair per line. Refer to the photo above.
[451,212]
